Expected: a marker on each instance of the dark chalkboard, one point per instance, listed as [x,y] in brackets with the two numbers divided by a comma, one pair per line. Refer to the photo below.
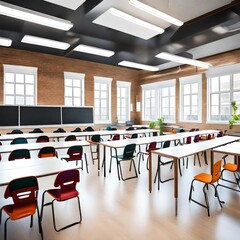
[39,115]
[9,115]
[77,115]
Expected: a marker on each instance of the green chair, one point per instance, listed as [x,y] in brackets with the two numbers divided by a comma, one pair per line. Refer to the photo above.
[128,155]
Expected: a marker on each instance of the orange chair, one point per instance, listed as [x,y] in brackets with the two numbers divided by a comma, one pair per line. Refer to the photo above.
[235,169]
[66,181]
[75,154]
[19,154]
[207,179]
[23,192]
[46,152]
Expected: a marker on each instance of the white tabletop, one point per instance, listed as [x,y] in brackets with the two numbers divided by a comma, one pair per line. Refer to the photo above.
[38,146]
[38,167]
[231,149]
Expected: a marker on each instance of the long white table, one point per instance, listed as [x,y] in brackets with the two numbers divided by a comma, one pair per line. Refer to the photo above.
[37,167]
[146,140]
[179,152]
[10,137]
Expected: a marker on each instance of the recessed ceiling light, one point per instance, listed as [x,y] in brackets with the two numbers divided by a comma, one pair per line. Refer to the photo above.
[33,16]
[6,42]
[135,20]
[155,12]
[138,66]
[183,60]
[45,42]
[94,50]
[71,4]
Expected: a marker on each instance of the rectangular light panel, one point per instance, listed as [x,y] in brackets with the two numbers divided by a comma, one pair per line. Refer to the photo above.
[137,66]
[94,50]
[6,42]
[45,42]
[34,17]
[126,23]
[71,4]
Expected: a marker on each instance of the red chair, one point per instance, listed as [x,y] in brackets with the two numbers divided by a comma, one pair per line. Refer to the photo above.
[66,181]
[150,147]
[23,192]
[42,138]
[75,154]
[71,138]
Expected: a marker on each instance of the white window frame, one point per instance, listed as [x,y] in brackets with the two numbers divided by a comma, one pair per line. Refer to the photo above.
[191,80]
[127,87]
[25,70]
[157,87]
[108,82]
[74,76]
[218,72]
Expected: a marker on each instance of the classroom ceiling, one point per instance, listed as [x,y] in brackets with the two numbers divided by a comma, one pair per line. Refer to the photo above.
[210,27]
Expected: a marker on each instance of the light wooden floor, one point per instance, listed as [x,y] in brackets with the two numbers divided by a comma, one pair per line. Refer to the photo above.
[117,210]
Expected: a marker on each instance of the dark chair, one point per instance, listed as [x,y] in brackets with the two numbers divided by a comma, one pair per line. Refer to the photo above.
[150,147]
[65,184]
[94,141]
[46,152]
[88,129]
[19,154]
[71,138]
[36,130]
[0,154]
[128,155]
[220,134]
[75,154]
[19,140]
[77,130]
[42,138]
[114,138]
[161,163]
[16,131]
[207,179]
[192,130]
[23,192]
[59,130]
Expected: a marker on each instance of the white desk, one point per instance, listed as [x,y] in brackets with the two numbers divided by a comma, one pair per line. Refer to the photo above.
[183,151]
[146,140]
[38,167]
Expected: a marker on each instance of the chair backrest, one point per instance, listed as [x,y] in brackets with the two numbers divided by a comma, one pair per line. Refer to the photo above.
[36,130]
[23,192]
[220,134]
[71,138]
[166,144]
[88,129]
[77,130]
[134,135]
[130,129]
[196,138]
[75,152]
[155,134]
[47,152]
[216,171]
[96,138]
[189,140]
[209,137]
[60,130]
[116,137]
[16,131]
[192,130]
[174,131]
[181,130]
[67,180]
[19,154]
[19,140]
[151,146]
[129,150]
[197,129]
[42,138]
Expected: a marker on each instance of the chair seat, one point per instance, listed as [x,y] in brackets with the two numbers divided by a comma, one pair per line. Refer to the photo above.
[60,196]
[122,157]
[16,213]
[230,167]
[90,141]
[204,177]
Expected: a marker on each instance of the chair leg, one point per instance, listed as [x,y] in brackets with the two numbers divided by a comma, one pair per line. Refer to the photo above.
[217,196]
[206,199]
[5,229]
[135,169]
[31,221]
[85,156]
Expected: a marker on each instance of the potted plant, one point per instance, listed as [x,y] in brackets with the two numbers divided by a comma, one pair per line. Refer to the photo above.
[152,124]
[160,123]
[235,117]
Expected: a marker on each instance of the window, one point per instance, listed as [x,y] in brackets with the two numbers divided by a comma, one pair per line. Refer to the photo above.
[223,88]
[102,99]
[20,85]
[190,99]
[74,89]
[123,101]
[159,101]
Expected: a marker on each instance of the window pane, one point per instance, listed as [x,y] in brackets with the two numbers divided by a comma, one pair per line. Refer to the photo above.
[215,99]
[164,92]
[29,101]
[19,100]
[9,100]
[68,91]
[165,102]
[186,89]
[172,101]
[225,98]
[195,88]
[9,77]
[77,102]
[103,103]
[236,81]
[214,110]
[97,103]
[103,94]
[123,92]
[77,83]
[225,83]
[236,97]
[195,100]
[29,79]
[104,87]
[97,86]
[20,78]
[76,92]
[214,84]
[68,82]
[9,88]
[20,89]
[172,91]
[186,100]
[29,90]
[68,101]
